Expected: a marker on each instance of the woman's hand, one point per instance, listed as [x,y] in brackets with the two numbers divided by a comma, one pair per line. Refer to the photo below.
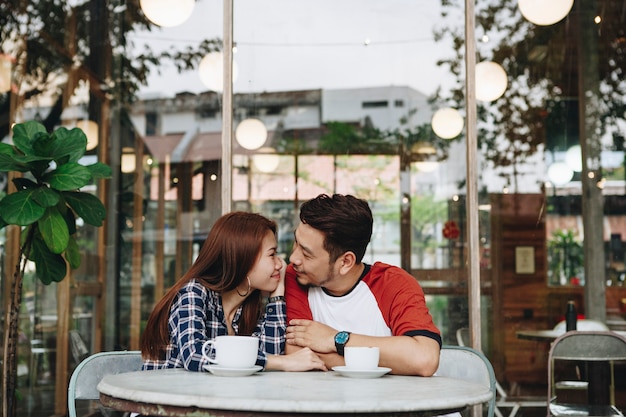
[302,360]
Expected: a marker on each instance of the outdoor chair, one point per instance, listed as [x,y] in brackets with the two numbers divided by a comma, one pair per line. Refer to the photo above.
[87,375]
[503,399]
[573,348]
[466,363]
[581,325]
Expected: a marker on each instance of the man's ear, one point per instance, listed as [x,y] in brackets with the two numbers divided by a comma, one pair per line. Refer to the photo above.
[347,262]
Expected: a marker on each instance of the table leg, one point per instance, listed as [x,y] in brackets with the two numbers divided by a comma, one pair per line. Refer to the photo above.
[599,377]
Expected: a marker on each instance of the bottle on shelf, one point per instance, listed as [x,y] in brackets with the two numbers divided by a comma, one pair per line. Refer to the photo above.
[570,316]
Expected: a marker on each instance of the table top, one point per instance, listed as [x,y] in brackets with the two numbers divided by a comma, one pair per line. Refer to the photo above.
[176,392]
[548,335]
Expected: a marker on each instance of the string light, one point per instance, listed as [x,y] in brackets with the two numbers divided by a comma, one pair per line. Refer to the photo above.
[167,13]
[545,13]
[491,81]
[251,134]
[447,123]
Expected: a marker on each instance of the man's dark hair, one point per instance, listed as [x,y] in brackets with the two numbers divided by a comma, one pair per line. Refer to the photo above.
[345,221]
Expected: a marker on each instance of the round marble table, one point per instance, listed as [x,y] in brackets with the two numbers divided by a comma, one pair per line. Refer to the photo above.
[548,335]
[176,392]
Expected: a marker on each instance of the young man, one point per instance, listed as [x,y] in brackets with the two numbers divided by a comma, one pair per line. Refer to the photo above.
[334,300]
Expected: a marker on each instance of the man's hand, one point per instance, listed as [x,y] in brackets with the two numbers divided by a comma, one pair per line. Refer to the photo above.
[299,361]
[311,334]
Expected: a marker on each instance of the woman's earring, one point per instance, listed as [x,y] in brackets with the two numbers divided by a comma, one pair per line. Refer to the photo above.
[247,291]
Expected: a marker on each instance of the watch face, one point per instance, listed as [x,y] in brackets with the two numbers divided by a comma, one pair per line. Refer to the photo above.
[341,337]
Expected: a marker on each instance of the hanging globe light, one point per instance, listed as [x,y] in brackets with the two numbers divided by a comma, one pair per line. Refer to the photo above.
[211,71]
[167,13]
[559,173]
[5,73]
[544,13]
[491,81]
[447,123]
[574,159]
[266,160]
[91,131]
[251,134]
[128,162]
[426,166]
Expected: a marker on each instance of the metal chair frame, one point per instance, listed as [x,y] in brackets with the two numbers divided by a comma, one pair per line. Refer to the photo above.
[469,364]
[503,399]
[577,346]
[85,378]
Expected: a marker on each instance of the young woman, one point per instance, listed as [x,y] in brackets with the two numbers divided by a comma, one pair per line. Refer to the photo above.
[222,294]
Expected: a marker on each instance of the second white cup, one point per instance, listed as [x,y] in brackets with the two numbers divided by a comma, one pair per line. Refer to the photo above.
[232,351]
[361,357]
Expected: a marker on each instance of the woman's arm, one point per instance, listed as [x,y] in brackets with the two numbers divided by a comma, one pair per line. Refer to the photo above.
[272,327]
[189,314]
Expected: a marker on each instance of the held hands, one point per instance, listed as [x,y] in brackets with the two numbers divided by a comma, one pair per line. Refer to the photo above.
[311,334]
[303,360]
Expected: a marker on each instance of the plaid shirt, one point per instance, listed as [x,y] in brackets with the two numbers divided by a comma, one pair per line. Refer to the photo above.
[197,315]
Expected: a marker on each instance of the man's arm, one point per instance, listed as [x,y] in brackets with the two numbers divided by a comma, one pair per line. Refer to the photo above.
[405,355]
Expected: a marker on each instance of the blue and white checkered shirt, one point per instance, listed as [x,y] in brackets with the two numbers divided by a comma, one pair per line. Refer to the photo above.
[197,315]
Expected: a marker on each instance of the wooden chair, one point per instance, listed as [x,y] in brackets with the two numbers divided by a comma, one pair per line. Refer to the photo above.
[503,399]
[590,346]
[87,375]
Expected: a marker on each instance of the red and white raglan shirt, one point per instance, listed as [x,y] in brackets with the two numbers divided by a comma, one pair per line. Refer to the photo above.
[386,301]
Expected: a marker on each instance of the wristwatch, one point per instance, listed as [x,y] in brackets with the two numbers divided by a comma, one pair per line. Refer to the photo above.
[341,339]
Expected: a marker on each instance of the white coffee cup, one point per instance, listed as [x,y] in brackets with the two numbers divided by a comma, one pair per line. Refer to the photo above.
[232,351]
[361,357]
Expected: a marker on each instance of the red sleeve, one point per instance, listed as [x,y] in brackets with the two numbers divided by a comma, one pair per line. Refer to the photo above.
[296,297]
[401,301]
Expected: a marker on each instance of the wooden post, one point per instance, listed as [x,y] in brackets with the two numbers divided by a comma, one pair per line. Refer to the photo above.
[62,378]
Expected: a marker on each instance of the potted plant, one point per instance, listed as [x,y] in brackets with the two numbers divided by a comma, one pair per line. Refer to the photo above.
[45,207]
[565,258]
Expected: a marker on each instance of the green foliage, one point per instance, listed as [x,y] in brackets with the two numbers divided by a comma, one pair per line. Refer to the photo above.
[344,138]
[84,42]
[543,75]
[48,199]
[565,256]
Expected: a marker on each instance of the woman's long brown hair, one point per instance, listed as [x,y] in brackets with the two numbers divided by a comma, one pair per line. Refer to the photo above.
[227,255]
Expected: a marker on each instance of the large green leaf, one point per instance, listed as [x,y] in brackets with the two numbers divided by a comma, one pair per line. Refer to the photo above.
[44,145]
[23,183]
[99,170]
[46,197]
[10,163]
[20,208]
[24,135]
[70,143]
[70,176]
[37,165]
[26,233]
[69,216]
[72,253]
[86,206]
[6,149]
[54,230]
[50,266]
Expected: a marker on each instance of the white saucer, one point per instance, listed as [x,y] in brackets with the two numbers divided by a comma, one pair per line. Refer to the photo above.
[222,371]
[361,373]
